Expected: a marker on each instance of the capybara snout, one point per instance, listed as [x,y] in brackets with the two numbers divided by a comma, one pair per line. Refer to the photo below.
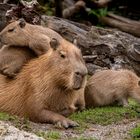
[79,77]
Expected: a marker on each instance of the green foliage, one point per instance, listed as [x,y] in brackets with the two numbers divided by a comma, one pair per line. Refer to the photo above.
[50,135]
[135,133]
[98,12]
[47,9]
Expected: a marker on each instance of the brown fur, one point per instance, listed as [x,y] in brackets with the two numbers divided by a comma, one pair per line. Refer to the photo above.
[12,59]
[110,86]
[20,33]
[23,35]
[46,86]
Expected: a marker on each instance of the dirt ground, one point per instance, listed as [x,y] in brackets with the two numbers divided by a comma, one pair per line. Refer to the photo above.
[118,131]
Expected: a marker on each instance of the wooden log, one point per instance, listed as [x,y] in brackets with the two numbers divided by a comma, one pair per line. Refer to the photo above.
[70,11]
[123,19]
[124,24]
[101,3]
[101,48]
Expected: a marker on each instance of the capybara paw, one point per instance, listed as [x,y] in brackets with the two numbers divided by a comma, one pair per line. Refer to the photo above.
[67,124]
[80,107]
[8,72]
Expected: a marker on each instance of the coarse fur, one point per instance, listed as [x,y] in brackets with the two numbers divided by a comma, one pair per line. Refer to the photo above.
[12,58]
[46,87]
[20,33]
[109,86]
[24,35]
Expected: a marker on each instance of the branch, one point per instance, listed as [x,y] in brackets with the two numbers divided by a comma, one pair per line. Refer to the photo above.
[70,11]
[124,24]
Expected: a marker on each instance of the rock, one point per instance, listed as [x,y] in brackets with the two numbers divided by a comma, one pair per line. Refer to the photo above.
[9,132]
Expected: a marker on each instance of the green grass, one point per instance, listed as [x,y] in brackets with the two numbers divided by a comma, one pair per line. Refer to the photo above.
[106,115]
[16,121]
[99,115]
[83,138]
[135,133]
[50,135]
[6,117]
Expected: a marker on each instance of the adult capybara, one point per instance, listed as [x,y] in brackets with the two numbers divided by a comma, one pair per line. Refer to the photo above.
[22,34]
[46,86]
[110,86]
[12,59]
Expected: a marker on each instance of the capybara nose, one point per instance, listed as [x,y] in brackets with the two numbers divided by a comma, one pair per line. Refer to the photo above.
[79,78]
[80,74]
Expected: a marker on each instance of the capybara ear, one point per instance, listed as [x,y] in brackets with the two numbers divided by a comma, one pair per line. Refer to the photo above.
[22,22]
[54,43]
[139,83]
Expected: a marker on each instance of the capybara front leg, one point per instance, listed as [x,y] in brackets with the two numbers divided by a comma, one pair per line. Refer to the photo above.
[123,102]
[55,118]
[68,111]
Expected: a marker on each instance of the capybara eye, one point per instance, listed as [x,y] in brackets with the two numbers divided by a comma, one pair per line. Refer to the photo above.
[11,30]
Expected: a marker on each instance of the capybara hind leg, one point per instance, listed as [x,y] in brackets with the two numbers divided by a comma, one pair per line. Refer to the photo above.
[55,118]
[123,102]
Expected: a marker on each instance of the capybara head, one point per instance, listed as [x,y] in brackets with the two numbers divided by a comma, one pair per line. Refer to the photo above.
[15,33]
[66,65]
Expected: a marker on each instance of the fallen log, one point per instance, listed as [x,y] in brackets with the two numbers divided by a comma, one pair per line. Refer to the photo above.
[124,24]
[101,48]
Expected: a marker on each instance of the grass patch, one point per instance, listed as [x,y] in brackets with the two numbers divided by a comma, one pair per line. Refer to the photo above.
[106,115]
[83,138]
[23,124]
[50,135]
[6,117]
[135,133]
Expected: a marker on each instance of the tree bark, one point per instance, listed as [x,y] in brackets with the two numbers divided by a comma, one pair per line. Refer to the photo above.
[3,10]
[101,48]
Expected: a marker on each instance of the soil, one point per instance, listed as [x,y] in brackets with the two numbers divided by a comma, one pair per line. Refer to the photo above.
[118,131]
